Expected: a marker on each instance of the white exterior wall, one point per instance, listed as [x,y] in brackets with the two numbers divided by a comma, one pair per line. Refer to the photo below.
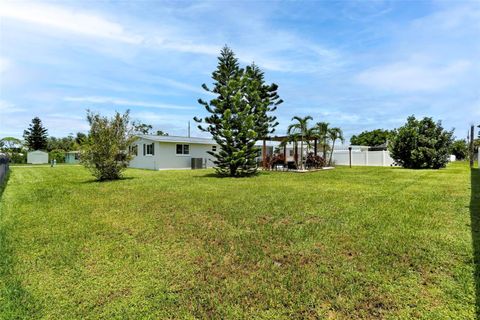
[37,157]
[165,156]
[363,158]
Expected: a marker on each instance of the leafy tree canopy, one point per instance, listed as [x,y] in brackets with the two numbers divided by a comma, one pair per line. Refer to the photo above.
[141,128]
[459,149]
[161,133]
[36,135]
[421,144]
[64,143]
[106,150]
[372,138]
[10,143]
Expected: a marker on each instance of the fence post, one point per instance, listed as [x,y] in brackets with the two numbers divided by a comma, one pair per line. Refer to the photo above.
[350,155]
[383,158]
[366,157]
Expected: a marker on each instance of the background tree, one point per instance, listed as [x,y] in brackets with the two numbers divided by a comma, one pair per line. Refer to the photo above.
[372,138]
[459,149]
[301,129]
[61,144]
[161,133]
[14,148]
[263,99]
[106,151]
[238,114]
[80,139]
[9,144]
[36,135]
[322,134]
[421,144]
[141,128]
[334,134]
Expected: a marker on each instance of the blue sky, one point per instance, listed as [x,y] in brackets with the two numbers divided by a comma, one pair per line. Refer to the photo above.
[359,65]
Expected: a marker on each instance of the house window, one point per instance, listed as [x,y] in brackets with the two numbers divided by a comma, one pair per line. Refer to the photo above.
[134,150]
[291,152]
[214,148]
[183,149]
[149,149]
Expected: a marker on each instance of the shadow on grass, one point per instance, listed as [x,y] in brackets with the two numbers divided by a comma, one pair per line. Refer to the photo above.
[215,175]
[107,181]
[475,225]
[3,184]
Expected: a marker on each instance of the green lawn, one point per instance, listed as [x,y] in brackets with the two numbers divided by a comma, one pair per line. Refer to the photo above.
[372,243]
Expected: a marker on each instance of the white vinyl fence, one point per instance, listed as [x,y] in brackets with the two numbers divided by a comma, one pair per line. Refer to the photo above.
[363,158]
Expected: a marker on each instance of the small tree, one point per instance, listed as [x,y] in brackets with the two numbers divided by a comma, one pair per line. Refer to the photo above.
[334,135]
[321,129]
[36,135]
[421,144]
[106,150]
[460,149]
[301,129]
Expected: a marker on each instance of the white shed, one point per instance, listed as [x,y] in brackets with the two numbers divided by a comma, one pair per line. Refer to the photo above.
[171,152]
[37,157]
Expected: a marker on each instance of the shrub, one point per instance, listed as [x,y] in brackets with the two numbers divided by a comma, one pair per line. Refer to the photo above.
[421,144]
[58,155]
[460,149]
[105,152]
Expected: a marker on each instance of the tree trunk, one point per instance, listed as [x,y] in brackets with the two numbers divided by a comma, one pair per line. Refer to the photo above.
[325,149]
[331,153]
[301,153]
[296,154]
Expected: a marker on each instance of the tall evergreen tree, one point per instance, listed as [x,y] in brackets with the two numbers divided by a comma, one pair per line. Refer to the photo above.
[238,114]
[263,98]
[36,135]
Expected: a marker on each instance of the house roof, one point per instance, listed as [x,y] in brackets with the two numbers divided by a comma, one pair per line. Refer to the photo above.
[176,139]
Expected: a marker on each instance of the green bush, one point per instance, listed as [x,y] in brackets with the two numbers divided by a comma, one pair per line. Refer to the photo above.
[421,144]
[18,157]
[460,149]
[106,150]
[58,155]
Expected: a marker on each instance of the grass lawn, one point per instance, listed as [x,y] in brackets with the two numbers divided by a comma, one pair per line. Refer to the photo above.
[372,243]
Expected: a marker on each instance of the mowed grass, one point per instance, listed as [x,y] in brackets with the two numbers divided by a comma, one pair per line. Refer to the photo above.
[371,243]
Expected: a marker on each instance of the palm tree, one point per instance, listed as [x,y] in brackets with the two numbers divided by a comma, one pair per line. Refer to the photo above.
[334,134]
[321,129]
[300,128]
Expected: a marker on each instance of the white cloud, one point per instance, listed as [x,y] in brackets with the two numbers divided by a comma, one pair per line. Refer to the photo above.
[7,108]
[125,102]
[62,19]
[413,75]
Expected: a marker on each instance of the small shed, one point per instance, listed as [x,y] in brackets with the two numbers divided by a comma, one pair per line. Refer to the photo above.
[72,157]
[37,157]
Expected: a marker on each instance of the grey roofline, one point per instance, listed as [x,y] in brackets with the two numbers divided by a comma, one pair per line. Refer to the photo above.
[176,139]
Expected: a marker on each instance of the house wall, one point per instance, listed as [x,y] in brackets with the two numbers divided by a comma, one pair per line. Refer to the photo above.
[37,157]
[70,158]
[165,156]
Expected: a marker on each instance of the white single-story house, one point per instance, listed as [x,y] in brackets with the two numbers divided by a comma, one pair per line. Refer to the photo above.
[171,152]
[37,157]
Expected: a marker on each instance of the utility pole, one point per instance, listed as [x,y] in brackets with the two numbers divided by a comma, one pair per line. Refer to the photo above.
[189,128]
